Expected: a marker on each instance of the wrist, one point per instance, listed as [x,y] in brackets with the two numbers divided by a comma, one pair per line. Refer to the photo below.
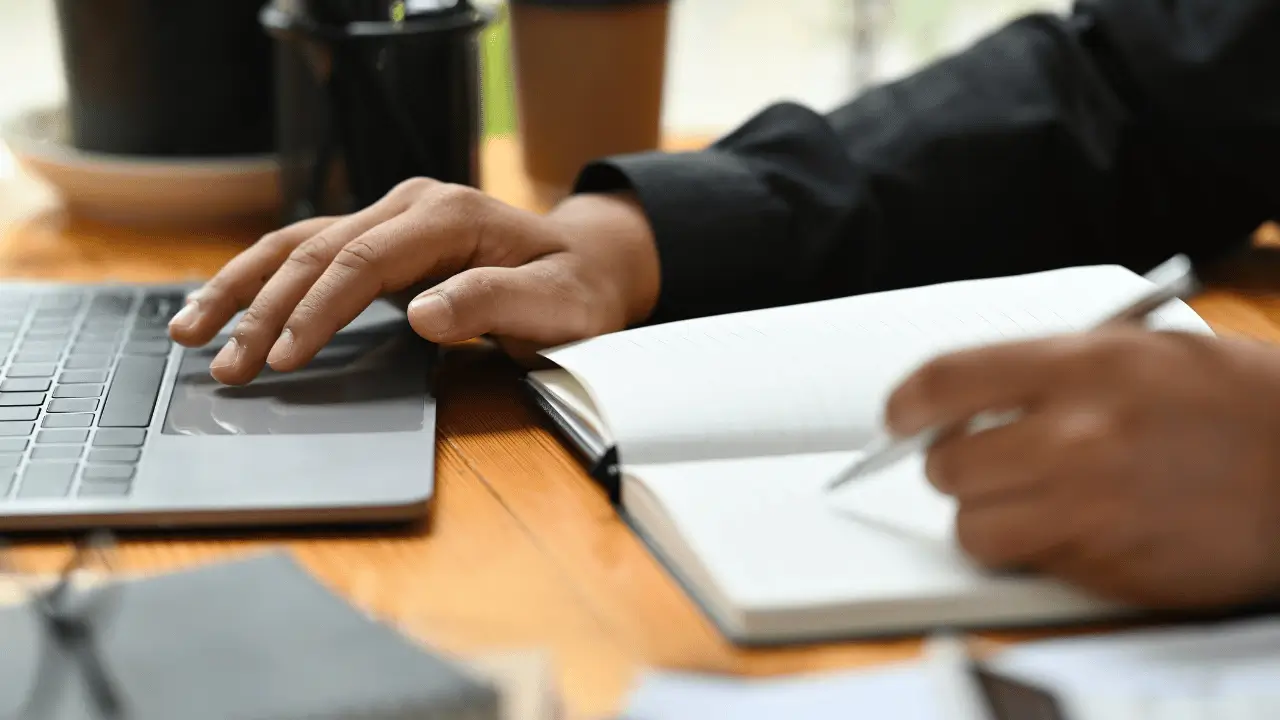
[613,233]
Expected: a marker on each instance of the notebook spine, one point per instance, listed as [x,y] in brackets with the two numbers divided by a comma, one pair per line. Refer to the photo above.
[602,466]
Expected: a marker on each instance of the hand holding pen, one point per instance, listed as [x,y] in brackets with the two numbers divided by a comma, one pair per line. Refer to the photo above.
[1142,466]
[1172,280]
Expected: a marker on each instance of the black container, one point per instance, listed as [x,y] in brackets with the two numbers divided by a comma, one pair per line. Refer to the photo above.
[167,77]
[363,104]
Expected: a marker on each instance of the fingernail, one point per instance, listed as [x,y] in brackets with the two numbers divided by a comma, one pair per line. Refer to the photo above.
[282,349]
[227,356]
[186,317]
[432,312]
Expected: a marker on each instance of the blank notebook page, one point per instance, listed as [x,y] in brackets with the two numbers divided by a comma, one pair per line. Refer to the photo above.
[814,377]
[767,536]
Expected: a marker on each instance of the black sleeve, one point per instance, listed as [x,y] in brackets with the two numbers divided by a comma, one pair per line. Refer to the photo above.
[1122,133]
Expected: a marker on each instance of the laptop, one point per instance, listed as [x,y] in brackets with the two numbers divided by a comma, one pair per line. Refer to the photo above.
[105,423]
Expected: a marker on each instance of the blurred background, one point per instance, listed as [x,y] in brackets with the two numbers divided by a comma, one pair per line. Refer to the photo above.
[556,85]
[726,59]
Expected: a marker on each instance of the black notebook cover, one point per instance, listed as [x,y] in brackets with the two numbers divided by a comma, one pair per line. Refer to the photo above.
[257,639]
[598,458]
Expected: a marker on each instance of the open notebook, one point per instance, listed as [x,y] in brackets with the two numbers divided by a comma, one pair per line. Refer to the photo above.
[726,428]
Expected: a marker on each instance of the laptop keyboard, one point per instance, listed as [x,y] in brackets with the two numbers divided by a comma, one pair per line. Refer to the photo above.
[80,372]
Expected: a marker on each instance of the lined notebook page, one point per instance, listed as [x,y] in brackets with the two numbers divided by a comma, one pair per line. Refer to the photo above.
[814,378]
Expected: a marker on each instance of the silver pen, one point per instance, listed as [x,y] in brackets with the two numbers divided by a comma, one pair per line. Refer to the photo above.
[1174,279]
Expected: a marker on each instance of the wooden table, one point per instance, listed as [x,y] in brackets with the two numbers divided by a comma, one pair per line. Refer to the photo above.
[522,549]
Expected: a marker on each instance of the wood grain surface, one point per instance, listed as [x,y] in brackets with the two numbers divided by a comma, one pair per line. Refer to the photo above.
[521,548]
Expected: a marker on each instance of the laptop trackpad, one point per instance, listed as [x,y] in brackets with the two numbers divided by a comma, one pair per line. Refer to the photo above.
[365,380]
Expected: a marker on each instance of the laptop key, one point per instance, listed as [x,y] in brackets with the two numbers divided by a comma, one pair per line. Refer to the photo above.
[19,413]
[12,445]
[88,362]
[49,334]
[125,455]
[82,376]
[161,305]
[41,370]
[24,385]
[37,356]
[108,472]
[76,390]
[6,482]
[112,305]
[29,345]
[147,347]
[74,437]
[59,301]
[10,399]
[45,320]
[132,395]
[150,333]
[119,437]
[73,405]
[94,347]
[57,452]
[46,480]
[102,489]
[10,460]
[16,429]
[78,420]
[100,333]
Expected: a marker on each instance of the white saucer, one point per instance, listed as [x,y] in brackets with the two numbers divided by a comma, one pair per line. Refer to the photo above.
[147,191]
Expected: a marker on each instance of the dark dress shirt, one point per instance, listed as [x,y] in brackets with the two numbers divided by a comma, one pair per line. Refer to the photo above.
[1123,132]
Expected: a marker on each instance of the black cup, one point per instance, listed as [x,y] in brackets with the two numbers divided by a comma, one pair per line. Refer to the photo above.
[167,77]
[365,104]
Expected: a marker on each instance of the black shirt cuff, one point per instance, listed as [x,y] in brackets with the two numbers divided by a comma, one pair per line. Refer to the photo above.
[714,222]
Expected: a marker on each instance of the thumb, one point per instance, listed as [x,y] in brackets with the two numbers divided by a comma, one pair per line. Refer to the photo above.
[536,303]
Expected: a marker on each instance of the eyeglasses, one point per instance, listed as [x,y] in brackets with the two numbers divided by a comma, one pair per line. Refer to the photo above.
[70,619]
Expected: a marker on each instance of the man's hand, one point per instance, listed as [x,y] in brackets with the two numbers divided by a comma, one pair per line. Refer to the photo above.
[588,268]
[1144,467]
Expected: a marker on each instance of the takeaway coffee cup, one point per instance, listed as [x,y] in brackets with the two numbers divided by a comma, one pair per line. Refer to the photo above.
[589,82]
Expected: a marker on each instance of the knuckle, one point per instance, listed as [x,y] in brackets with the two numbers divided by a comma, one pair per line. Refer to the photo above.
[415,186]
[1115,356]
[274,240]
[279,242]
[358,255]
[484,288]
[932,383]
[977,539]
[456,214]
[455,195]
[255,316]
[1099,439]
[313,253]
[307,318]
[944,468]
[455,204]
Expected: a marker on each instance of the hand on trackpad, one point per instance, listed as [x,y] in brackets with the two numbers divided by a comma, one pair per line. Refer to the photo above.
[378,316]
[372,377]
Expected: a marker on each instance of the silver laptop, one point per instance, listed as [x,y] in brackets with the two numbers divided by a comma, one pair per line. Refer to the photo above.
[105,423]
